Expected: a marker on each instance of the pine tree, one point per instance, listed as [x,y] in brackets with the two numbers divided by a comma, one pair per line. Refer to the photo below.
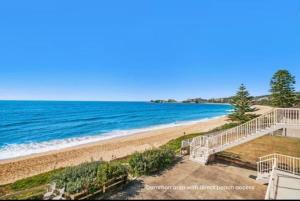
[282,89]
[242,103]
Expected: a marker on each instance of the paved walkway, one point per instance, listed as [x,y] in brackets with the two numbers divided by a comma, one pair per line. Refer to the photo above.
[189,180]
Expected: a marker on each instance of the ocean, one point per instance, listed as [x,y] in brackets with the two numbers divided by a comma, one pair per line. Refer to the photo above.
[29,127]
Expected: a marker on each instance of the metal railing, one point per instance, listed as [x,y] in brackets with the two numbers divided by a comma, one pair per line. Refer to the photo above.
[284,163]
[266,123]
[269,166]
[271,190]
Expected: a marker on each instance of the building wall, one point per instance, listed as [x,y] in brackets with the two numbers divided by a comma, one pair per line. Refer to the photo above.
[292,132]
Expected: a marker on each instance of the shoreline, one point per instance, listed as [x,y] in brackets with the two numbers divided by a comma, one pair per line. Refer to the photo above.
[86,140]
[18,168]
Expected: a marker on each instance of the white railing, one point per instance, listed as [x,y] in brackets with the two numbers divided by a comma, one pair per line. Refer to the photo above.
[284,163]
[289,116]
[243,131]
[268,168]
[271,190]
[262,125]
[186,143]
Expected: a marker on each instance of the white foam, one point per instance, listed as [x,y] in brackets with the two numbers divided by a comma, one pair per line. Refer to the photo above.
[17,150]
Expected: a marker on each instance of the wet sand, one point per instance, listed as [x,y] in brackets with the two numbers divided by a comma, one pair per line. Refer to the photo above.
[18,168]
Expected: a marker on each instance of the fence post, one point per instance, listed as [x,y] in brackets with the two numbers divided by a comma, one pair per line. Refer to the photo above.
[221,140]
[294,166]
[258,169]
[256,126]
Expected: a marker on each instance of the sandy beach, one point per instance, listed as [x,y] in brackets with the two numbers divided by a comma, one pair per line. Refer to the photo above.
[18,168]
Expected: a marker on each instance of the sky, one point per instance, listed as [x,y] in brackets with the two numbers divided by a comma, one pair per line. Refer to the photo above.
[144,49]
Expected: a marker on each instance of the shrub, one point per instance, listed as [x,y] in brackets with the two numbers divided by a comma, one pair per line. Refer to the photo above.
[151,161]
[226,126]
[78,178]
[110,170]
[88,176]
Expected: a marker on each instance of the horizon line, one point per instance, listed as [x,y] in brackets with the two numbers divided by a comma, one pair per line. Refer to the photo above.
[77,100]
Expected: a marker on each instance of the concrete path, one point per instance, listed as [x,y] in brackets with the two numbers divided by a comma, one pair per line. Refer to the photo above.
[189,180]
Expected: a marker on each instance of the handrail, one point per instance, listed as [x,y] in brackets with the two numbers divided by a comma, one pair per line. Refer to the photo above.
[237,127]
[271,112]
[266,123]
[244,124]
[285,163]
[277,162]
[186,143]
[271,181]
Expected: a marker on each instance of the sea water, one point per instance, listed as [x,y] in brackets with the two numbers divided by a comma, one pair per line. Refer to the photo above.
[29,127]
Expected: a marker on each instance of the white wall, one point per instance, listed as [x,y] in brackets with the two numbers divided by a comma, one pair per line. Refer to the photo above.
[292,132]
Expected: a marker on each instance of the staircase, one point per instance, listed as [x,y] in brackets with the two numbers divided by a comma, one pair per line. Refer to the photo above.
[203,146]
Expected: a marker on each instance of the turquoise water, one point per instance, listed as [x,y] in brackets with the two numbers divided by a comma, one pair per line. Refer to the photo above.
[28,127]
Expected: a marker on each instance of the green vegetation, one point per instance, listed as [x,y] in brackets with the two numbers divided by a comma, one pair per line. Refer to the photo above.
[110,170]
[78,178]
[195,100]
[282,93]
[242,103]
[175,144]
[211,100]
[282,89]
[32,186]
[151,161]
[34,181]
[164,101]
[88,176]
[298,101]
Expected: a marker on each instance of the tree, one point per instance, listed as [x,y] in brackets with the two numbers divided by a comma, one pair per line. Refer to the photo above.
[298,101]
[242,103]
[282,89]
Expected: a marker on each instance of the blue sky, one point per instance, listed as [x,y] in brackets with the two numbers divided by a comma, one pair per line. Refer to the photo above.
[141,50]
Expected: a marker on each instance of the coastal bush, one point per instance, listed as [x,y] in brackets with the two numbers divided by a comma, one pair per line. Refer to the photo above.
[151,161]
[88,176]
[226,126]
[78,178]
[110,170]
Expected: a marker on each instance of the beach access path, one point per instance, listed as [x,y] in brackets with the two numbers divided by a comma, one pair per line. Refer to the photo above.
[190,180]
[14,169]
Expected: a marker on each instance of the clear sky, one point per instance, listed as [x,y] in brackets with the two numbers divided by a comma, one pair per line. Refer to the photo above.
[144,49]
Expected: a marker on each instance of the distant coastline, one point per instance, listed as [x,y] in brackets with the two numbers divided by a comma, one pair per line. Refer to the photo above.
[195,101]
[258,100]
